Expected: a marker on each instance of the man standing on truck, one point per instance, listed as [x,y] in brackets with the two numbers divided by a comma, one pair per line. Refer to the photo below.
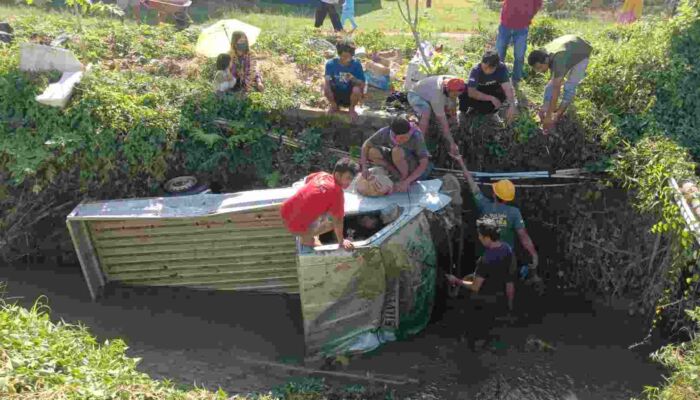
[319,206]
[508,218]
[400,149]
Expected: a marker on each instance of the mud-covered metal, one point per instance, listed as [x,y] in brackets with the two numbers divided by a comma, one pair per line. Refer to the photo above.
[384,288]
[354,301]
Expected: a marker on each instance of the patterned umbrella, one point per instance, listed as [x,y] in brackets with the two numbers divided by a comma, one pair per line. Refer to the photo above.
[216,39]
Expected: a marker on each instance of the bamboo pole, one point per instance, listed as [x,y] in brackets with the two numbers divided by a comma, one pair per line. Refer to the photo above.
[388,379]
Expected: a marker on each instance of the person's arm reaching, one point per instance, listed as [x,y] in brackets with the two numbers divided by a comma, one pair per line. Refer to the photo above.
[363,158]
[529,246]
[445,125]
[422,166]
[338,229]
[475,94]
[474,285]
[467,175]
[512,101]
[550,110]
[329,93]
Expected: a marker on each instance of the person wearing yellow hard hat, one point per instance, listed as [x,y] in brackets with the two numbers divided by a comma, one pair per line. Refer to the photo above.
[508,217]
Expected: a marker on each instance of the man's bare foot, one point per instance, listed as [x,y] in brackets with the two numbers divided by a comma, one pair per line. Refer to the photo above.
[317,242]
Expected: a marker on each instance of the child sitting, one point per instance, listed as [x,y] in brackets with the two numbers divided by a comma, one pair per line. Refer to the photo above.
[223,79]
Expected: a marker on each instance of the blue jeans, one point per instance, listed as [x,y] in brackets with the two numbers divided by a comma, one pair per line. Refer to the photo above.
[519,39]
[348,17]
[576,75]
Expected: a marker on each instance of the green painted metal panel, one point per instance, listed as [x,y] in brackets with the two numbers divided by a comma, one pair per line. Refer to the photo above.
[242,250]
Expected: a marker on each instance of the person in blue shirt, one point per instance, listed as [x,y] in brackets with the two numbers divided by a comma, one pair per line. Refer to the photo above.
[348,14]
[488,87]
[344,82]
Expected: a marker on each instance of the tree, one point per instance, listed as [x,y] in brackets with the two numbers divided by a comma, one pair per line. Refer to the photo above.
[412,21]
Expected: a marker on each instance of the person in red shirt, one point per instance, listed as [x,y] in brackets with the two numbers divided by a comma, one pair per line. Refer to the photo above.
[516,16]
[319,206]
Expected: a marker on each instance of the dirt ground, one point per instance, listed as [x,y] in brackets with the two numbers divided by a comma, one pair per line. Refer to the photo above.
[199,337]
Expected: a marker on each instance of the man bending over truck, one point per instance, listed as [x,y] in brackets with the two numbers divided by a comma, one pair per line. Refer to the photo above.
[319,206]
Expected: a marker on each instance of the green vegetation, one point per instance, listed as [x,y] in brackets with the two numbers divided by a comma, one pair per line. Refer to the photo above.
[684,361]
[40,359]
[147,108]
[43,360]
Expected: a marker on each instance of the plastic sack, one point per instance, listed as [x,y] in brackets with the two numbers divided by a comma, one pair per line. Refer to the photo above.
[379,184]
[58,94]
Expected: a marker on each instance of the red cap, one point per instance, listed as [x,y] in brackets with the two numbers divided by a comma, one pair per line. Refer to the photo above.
[456,85]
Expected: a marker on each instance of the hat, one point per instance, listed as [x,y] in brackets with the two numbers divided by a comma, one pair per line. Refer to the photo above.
[504,189]
[456,85]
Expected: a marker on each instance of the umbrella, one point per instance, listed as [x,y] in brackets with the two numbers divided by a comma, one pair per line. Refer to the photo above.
[216,39]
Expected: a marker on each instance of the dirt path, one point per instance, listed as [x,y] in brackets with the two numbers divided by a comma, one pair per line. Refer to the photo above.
[197,337]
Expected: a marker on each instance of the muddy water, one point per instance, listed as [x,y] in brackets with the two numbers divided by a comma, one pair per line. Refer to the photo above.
[197,337]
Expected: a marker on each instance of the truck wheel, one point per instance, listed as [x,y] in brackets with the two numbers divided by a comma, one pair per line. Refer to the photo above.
[180,184]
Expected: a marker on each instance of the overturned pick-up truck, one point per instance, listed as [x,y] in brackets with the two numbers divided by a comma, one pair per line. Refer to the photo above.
[352,301]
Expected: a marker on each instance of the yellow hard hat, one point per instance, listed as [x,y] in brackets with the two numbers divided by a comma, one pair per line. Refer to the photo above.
[504,189]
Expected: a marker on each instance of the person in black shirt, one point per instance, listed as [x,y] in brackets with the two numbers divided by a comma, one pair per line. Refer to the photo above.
[488,87]
[495,271]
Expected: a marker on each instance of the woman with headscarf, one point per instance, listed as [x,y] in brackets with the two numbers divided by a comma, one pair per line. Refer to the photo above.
[243,66]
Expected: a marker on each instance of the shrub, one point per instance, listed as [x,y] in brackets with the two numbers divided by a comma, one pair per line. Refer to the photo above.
[684,361]
[542,31]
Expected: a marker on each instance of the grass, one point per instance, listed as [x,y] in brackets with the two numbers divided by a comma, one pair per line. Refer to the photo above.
[40,359]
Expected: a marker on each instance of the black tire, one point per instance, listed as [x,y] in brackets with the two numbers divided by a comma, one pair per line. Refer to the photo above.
[180,184]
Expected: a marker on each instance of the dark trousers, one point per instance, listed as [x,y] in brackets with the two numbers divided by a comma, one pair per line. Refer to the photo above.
[322,10]
[482,107]
[482,314]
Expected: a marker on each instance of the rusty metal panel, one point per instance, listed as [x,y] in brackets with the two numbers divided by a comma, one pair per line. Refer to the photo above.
[249,250]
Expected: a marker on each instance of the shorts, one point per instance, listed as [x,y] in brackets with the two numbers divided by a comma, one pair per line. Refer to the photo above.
[418,103]
[125,4]
[412,162]
[322,219]
[342,97]
[313,226]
